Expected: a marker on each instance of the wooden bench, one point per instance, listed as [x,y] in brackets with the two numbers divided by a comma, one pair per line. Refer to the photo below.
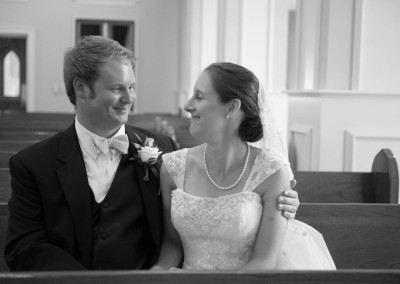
[50,122]
[218,277]
[3,228]
[24,135]
[359,236]
[4,158]
[381,185]
[5,185]
[15,145]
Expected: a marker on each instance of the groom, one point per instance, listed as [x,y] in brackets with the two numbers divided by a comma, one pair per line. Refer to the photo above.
[83,198]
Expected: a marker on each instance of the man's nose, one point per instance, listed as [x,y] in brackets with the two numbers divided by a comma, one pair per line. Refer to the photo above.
[128,96]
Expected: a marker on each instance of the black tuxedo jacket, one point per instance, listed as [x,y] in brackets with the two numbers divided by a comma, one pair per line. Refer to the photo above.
[50,223]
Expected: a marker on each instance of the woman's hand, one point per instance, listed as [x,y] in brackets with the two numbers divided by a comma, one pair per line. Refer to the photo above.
[289,202]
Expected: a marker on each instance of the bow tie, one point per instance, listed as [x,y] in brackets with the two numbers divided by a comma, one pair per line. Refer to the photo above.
[102,145]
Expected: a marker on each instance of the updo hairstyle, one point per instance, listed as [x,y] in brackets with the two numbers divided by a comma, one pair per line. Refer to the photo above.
[232,81]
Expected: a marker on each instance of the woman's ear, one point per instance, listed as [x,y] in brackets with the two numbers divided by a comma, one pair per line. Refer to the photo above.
[81,89]
[233,107]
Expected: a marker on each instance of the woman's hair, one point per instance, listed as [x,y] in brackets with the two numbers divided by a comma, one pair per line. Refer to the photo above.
[232,81]
[83,61]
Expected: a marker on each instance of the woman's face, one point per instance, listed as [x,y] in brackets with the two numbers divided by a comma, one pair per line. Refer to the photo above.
[207,111]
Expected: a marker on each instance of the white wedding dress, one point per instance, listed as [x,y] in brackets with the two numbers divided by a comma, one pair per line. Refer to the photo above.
[220,233]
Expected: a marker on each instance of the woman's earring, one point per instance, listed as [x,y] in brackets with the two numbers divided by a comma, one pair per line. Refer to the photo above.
[227,116]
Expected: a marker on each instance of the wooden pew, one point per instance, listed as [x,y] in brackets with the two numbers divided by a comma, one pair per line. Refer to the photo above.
[53,122]
[5,185]
[50,122]
[4,158]
[381,185]
[359,236]
[15,145]
[24,135]
[218,277]
[3,229]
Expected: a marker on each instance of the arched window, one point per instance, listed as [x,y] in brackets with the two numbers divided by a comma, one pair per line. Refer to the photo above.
[11,75]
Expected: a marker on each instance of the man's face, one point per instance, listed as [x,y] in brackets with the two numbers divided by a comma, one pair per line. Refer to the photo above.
[111,97]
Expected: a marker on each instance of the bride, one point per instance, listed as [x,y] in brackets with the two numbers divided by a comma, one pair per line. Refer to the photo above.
[219,197]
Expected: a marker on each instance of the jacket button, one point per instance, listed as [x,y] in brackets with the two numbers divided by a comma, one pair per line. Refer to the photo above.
[106,205]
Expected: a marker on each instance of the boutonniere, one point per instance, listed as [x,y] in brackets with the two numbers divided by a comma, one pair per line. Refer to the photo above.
[147,154]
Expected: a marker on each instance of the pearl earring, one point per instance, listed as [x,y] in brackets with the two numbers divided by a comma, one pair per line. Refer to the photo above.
[227,116]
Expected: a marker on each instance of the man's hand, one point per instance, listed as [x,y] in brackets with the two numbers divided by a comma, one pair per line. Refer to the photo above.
[288,202]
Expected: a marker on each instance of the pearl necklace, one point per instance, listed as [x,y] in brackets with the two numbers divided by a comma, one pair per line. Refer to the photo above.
[237,181]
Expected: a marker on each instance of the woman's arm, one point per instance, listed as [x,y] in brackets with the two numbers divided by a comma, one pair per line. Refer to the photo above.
[273,225]
[171,249]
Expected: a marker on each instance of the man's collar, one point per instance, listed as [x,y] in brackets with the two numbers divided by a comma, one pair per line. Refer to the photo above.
[85,135]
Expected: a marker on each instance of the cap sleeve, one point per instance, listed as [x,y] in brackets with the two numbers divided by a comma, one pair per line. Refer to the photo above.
[175,163]
[266,164]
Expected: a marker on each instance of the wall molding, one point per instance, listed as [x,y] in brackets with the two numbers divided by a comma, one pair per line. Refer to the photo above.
[17,1]
[355,64]
[107,2]
[27,32]
[345,94]
[305,133]
[352,136]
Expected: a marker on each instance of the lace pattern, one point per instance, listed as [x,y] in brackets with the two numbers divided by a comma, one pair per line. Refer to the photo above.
[175,164]
[216,233]
[207,213]
[220,233]
[265,165]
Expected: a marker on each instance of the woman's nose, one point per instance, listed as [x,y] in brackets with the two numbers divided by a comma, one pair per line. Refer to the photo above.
[188,106]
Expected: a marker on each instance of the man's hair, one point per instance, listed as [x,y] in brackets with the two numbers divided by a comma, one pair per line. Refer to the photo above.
[83,61]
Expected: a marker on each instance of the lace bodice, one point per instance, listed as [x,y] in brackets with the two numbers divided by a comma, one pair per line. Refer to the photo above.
[218,233]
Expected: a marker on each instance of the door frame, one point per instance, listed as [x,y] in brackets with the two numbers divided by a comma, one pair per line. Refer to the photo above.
[28,33]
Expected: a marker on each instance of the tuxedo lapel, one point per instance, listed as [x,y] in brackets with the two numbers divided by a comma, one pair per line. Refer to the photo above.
[74,183]
[149,189]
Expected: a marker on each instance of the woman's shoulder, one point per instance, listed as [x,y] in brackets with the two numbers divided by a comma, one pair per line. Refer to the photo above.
[177,153]
[271,158]
[269,170]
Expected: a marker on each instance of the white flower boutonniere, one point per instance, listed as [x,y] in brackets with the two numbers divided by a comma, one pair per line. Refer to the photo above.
[147,155]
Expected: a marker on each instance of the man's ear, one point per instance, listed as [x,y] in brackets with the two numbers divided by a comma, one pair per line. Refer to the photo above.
[81,89]
[233,107]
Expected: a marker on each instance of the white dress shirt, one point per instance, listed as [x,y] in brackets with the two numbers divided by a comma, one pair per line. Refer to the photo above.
[100,169]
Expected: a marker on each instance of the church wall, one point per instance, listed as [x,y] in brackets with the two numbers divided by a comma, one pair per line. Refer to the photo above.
[52,25]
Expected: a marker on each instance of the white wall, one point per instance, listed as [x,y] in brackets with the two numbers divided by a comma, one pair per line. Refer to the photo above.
[157,27]
[346,107]
[380,45]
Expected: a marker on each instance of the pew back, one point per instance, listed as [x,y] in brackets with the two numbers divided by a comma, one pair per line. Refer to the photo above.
[50,122]
[381,185]
[3,229]
[5,184]
[359,236]
[4,158]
